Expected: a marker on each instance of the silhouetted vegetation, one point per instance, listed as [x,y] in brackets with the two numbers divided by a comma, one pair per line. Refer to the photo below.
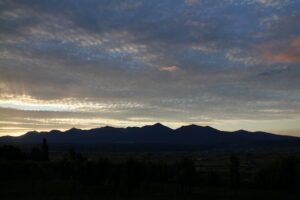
[281,173]
[74,156]
[9,152]
[36,154]
[73,174]
[45,149]
[234,171]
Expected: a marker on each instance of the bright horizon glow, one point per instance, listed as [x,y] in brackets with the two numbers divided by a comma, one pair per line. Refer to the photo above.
[27,103]
[85,124]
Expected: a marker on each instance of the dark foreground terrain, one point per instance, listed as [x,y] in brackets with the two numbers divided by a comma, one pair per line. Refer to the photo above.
[38,174]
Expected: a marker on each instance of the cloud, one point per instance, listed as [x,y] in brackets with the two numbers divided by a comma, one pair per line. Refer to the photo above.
[274,3]
[169,68]
[286,51]
[278,4]
[295,43]
[192,2]
[287,57]
[105,60]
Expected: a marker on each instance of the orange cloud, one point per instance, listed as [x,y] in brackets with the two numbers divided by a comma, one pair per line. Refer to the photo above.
[283,57]
[286,53]
[296,43]
[169,68]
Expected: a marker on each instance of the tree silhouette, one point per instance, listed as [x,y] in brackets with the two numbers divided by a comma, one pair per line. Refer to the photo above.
[9,152]
[234,171]
[75,156]
[186,172]
[282,173]
[45,149]
[36,154]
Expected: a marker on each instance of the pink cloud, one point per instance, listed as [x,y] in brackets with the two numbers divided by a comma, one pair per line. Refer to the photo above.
[296,43]
[287,57]
[169,68]
[288,52]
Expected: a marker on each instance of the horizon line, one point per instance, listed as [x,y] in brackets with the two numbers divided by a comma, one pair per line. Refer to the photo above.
[145,125]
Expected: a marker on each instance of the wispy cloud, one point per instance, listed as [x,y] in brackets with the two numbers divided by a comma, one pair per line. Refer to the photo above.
[192,2]
[177,61]
[169,68]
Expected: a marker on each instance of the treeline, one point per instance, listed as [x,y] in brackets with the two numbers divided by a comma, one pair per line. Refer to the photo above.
[132,175]
[9,152]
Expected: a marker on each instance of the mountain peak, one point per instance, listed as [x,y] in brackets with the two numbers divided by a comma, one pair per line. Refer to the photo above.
[72,130]
[196,128]
[191,126]
[32,133]
[241,131]
[157,126]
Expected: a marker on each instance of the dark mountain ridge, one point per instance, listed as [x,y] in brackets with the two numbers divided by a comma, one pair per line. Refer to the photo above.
[158,134]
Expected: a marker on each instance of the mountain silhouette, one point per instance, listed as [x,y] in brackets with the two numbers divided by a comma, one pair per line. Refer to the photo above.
[203,137]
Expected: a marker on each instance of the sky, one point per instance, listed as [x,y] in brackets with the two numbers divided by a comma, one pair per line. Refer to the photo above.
[230,64]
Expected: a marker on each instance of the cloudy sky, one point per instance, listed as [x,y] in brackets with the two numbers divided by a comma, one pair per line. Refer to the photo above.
[230,64]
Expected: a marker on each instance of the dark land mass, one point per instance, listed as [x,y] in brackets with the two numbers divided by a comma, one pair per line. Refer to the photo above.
[74,175]
[152,162]
[155,138]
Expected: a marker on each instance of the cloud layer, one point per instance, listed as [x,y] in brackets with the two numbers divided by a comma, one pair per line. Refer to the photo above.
[134,62]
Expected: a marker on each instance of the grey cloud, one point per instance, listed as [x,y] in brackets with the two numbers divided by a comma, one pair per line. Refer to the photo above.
[112,51]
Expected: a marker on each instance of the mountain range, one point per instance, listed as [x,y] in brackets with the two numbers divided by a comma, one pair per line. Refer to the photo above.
[197,137]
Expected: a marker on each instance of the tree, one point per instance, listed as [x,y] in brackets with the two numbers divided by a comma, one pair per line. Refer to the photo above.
[37,154]
[45,149]
[234,171]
